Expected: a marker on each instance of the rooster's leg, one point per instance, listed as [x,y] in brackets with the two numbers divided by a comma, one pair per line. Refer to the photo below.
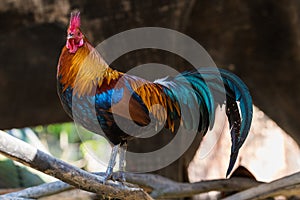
[112,162]
[122,162]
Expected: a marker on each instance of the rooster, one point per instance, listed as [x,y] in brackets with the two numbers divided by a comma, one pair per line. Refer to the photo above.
[83,75]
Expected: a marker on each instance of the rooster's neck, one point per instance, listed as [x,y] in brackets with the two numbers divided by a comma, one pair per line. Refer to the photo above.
[83,71]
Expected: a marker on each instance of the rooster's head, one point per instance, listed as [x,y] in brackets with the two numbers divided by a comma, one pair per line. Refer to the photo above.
[74,35]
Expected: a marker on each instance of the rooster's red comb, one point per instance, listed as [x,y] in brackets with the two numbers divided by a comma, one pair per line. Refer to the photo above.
[74,20]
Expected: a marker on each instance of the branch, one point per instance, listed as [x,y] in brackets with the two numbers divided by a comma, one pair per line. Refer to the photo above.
[160,187]
[32,157]
[285,186]
[166,188]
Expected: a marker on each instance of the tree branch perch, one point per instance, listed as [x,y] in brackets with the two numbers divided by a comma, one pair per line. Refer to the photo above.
[158,186]
[32,157]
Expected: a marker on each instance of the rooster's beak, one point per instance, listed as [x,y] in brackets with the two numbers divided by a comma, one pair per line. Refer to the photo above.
[70,36]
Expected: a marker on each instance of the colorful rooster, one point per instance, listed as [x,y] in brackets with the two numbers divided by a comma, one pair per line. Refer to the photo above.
[95,94]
